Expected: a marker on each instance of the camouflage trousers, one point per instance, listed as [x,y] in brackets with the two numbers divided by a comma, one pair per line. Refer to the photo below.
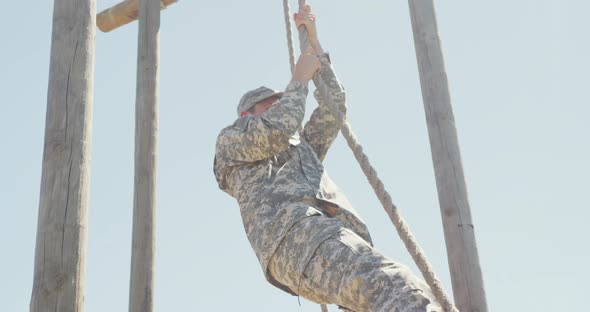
[345,270]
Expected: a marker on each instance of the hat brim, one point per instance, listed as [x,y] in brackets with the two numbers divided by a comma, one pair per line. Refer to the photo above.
[279,94]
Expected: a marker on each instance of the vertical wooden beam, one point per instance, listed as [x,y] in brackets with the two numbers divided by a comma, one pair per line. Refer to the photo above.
[141,291]
[60,252]
[459,231]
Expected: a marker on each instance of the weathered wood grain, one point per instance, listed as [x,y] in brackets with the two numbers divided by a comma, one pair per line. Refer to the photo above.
[146,125]
[60,252]
[468,287]
[122,14]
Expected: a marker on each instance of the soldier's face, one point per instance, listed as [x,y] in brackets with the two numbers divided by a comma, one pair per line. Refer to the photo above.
[264,105]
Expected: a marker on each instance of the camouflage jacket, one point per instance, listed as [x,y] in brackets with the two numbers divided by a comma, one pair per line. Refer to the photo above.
[273,167]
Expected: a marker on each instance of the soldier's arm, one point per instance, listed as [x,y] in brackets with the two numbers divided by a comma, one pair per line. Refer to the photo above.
[255,138]
[322,128]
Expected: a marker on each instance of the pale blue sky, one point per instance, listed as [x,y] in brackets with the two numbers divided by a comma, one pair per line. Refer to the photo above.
[518,73]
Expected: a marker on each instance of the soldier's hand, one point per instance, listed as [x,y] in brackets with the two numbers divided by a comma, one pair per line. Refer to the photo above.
[306,66]
[307,18]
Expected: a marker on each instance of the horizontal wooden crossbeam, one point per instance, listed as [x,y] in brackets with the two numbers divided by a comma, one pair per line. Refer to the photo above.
[122,14]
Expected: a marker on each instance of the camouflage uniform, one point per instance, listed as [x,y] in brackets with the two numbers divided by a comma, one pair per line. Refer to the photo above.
[286,198]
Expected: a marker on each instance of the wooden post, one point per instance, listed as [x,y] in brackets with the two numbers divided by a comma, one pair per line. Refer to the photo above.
[146,124]
[459,232]
[60,252]
[123,13]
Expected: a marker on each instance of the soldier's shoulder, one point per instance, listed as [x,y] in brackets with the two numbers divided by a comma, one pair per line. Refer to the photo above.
[239,124]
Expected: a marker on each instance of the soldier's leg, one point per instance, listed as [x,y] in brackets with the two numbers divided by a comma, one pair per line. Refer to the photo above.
[286,266]
[347,271]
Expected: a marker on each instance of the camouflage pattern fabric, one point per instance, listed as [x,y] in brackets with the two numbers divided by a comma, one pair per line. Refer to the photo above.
[252,97]
[345,270]
[276,175]
[273,167]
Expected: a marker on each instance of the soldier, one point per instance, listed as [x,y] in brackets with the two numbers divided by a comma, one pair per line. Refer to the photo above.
[307,237]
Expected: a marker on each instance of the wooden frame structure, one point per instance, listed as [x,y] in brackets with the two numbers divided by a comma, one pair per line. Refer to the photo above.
[123,13]
[60,252]
[466,277]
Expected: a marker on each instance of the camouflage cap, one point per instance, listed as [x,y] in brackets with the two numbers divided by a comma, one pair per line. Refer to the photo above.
[254,96]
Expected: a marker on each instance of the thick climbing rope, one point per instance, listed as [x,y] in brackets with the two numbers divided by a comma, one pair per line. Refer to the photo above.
[287,11]
[291,45]
[392,211]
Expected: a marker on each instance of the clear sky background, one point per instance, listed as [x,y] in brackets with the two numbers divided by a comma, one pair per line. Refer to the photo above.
[518,73]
